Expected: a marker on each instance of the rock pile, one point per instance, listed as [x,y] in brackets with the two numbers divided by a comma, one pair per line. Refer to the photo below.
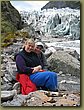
[68,68]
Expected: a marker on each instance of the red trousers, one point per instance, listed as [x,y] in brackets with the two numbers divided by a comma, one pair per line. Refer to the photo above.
[27,85]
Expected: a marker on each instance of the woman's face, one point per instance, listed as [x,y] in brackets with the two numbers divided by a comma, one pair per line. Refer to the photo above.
[29,47]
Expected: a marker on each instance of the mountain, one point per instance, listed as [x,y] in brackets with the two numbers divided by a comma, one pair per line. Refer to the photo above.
[62,4]
[10,18]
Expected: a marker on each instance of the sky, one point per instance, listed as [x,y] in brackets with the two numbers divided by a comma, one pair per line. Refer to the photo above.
[28,5]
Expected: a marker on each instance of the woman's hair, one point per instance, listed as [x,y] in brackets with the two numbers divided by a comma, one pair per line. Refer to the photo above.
[29,41]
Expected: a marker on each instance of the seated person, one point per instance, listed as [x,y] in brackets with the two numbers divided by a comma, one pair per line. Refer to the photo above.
[39,47]
[29,66]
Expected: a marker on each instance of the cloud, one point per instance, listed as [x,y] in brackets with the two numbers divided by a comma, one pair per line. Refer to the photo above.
[28,5]
[38,3]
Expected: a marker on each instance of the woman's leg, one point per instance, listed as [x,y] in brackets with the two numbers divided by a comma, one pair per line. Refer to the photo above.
[45,79]
[26,84]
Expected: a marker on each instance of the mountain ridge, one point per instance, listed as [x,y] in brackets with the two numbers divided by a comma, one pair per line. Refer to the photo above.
[62,4]
[10,17]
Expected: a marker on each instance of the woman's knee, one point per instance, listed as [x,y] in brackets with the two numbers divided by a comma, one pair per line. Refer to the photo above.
[53,74]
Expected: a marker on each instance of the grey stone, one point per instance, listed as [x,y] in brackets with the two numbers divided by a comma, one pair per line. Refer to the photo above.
[11,68]
[6,95]
[62,61]
[72,52]
[6,86]
[17,87]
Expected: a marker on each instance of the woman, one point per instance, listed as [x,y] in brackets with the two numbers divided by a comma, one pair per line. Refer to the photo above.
[29,64]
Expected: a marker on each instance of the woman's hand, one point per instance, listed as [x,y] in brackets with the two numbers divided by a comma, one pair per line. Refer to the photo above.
[36,69]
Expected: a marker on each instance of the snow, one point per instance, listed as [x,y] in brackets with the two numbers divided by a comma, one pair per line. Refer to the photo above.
[69,44]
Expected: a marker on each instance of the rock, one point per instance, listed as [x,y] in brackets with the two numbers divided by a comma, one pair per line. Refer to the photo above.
[47,54]
[16,86]
[62,61]
[72,52]
[5,79]
[50,50]
[6,86]
[73,97]
[40,98]
[6,95]
[66,82]
[65,102]
[3,73]
[8,77]
[10,17]
[61,4]
[18,100]
[69,87]
[69,82]
[52,94]
[11,68]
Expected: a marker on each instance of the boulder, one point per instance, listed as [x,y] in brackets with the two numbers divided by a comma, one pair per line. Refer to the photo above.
[6,95]
[6,85]
[72,52]
[62,61]
[12,70]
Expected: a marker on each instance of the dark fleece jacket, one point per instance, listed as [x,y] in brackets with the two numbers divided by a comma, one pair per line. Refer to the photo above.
[25,61]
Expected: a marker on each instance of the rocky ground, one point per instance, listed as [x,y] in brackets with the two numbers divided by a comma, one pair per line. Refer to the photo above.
[68,79]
